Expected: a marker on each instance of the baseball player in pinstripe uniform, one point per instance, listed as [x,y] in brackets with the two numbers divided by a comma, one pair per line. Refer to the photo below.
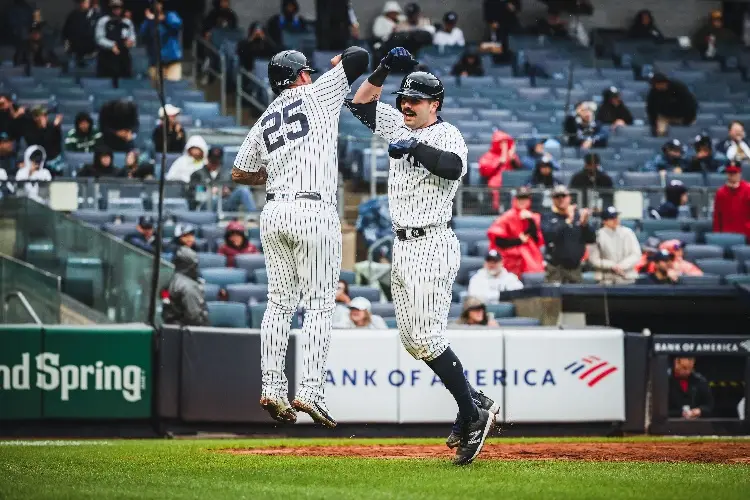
[428,159]
[292,149]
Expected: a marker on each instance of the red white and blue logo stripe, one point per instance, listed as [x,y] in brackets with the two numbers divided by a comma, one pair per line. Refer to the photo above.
[591,369]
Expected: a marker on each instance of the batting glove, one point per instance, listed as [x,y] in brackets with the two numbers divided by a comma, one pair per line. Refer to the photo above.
[398,60]
[398,149]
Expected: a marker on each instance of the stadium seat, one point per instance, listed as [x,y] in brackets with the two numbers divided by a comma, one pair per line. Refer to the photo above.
[694,252]
[391,322]
[740,253]
[202,110]
[469,265]
[370,293]
[471,236]
[211,291]
[705,280]
[640,179]
[206,260]
[494,115]
[455,311]
[456,114]
[737,279]
[227,314]
[718,267]
[725,240]
[250,262]
[94,217]
[502,309]
[519,321]
[716,180]
[515,178]
[480,248]
[384,309]
[197,218]
[256,314]
[212,232]
[248,292]
[690,180]
[119,230]
[119,204]
[532,279]
[687,237]
[473,222]
[224,276]
[349,276]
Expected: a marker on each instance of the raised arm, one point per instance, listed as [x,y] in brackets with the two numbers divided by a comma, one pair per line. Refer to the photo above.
[370,90]
[331,88]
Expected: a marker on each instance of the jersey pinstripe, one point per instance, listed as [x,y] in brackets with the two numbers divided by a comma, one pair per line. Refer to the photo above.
[416,197]
[296,138]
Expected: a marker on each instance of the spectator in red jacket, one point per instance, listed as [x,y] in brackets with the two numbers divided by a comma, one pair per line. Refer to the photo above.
[517,235]
[732,203]
[235,243]
[502,156]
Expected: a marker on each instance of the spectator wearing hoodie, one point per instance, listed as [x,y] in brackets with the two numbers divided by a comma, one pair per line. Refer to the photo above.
[669,102]
[705,160]
[135,168]
[500,158]
[613,111]
[616,252]
[184,302]
[583,131]
[470,64]
[115,36]
[644,28]
[193,158]
[84,137]
[735,147]
[118,123]
[287,20]
[78,31]
[40,131]
[169,28]
[34,52]
[713,34]
[175,132]
[675,205]
[103,165]
[385,24]
[566,232]
[536,150]
[671,159]
[143,237]
[235,243]
[543,175]
[449,33]
[33,171]
[592,177]
[517,235]
[492,279]
[256,46]
[732,204]
[218,182]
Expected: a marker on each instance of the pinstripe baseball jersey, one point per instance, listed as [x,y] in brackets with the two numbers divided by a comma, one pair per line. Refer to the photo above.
[296,138]
[416,197]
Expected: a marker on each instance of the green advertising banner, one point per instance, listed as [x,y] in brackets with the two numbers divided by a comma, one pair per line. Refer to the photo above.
[20,398]
[76,372]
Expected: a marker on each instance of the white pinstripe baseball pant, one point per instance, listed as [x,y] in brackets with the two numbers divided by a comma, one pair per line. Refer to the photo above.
[422,277]
[302,243]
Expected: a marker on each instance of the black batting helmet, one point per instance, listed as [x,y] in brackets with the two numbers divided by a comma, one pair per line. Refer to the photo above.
[285,67]
[421,85]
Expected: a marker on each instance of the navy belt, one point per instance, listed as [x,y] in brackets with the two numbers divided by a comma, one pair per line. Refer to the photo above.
[295,196]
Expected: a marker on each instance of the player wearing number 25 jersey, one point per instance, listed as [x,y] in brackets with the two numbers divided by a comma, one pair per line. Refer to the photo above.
[292,149]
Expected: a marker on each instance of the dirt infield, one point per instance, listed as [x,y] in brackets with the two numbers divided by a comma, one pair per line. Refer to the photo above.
[704,451]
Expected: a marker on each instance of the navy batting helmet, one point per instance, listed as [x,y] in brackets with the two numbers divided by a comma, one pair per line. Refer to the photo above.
[421,85]
[285,67]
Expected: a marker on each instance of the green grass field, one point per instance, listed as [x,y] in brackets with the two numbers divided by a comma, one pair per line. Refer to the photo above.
[176,469]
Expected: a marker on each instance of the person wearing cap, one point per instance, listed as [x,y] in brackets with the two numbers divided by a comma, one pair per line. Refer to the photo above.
[732,203]
[256,46]
[385,24]
[671,159]
[705,160]
[84,136]
[169,26]
[735,146]
[592,177]
[449,34]
[566,233]
[612,110]
[193,158]
[644,27]
[119,123]
[675,205]
[235,243]
[103,165]
[183,301]
[474,313]
[712,35]
[669,102]
[360,316]
[663,272]
[582,130]
[143,237]
[34,51]
[115,36]
[175,133]
[470,64]
[517,235]
[543,174]
[616,251]
[217,182]
[184,236]
[681,266]
[415,21]
[492,278]
[46,133]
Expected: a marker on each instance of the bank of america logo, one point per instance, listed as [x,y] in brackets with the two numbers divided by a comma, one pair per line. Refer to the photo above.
[591,369]
[745,345]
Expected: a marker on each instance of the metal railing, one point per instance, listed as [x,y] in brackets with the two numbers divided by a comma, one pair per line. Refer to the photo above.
[200,68]
[24,304]
[243,77]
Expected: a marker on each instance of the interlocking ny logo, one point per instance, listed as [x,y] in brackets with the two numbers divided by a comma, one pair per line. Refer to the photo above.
[592,369]
[745,345]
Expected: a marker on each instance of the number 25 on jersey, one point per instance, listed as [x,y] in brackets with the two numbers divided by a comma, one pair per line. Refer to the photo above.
[272,123]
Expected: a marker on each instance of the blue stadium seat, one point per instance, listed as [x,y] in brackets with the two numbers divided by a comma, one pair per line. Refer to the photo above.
[519,321]
[384,309]
[456,114]
[740,253]
[469,265]
[705,280]
[224,276]
[649,226]
[75,106]
[502,309]
[694,252]
[96,83]
[475,102]
[477,81]
[256,314]
[458,292]
[348,276]
[719,267]
[202,110]
[685,236]
[640,179]
[391,322]
[370,293]
[534,93]
[250,262]
[119,204]
[227,314]
[248,292]
[515,178]
[716,180]
[94,217]
[206,260]
[260,276]
[737,279]
[211,291]
[689,179]
[197,218]
[494,115]
[473,222]
[480,248]
[519,128]
[455,311]
[725,240]
[211,232]
[471,236]
[120,230]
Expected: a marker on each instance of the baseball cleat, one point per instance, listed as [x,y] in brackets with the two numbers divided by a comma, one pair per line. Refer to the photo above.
[481,401]
[317,411]
[279,409]
[473,435]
